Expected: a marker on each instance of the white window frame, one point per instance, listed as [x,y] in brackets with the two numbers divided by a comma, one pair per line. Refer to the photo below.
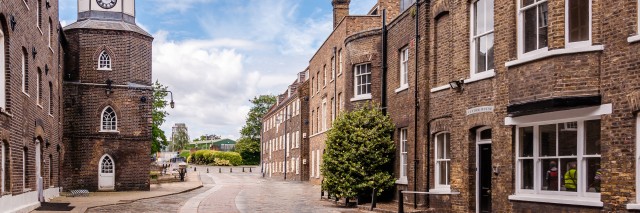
[340,62]
[107,60]
[313,163]
[566,27]
[318,163]
[3,70]
[404,69]
[636,206]
[324,76]
[402,179]
[521,53]
[324,114]
[333,68]
[581,197]
[474,69]
[636,37]
[3,165]
[297,166]
[24,73]
[438,186]
[364,96]
[38,88]
[102,127]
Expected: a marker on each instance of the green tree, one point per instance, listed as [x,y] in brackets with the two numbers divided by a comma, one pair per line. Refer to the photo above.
[249,143]
[359,153]
[180,140]
[159,139]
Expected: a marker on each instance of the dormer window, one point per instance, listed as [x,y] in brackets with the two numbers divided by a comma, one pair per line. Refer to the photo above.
[104,61]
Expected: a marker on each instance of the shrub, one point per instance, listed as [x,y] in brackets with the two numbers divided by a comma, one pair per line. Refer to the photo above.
[185,153]
[221,162]
[211,157]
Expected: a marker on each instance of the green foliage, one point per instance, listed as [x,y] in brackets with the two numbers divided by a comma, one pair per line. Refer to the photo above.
[180,139]
[359,153]
[221,162]
[185,153]
[210,157]
[249,143]
[159,139]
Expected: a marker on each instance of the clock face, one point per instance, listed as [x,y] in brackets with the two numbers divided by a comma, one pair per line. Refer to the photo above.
[107,4]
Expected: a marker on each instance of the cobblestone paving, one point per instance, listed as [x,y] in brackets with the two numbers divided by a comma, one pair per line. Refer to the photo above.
[237,192]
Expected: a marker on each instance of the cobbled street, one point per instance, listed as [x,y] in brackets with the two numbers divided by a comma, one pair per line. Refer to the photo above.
[235,192]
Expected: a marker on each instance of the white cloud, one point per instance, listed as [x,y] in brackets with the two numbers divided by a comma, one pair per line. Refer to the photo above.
[361,7]
[211,87]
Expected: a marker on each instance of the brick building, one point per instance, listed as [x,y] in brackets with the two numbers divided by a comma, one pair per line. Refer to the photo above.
[284,152]
[107,99]
[30,90]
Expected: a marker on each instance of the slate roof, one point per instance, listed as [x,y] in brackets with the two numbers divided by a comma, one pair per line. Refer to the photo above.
[107,25]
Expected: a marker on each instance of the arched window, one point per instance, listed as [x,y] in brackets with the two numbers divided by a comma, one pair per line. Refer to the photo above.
[109,120]
[25,71]
[104,61]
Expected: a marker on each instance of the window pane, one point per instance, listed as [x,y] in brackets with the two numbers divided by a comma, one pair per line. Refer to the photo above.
[527,174]
[479,19]
[548,140]
[567,139]
[444,173]
[569,169]
[578,20]
[481,54]
[440,144]
[543,23]
[527,2]
[592,137]
[489,15]
[447,146]
[485,134]
[594,174]
[530,30]
[526,142]
[490,65]
[550,174]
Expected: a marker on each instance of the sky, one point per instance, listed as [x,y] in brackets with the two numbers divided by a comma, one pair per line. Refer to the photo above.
[216,55]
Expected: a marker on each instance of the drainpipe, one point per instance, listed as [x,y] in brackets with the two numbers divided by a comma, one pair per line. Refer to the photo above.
[417,103]
[384,62]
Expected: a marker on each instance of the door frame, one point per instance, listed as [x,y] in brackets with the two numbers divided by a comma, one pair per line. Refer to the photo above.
[100,172]
[479,142]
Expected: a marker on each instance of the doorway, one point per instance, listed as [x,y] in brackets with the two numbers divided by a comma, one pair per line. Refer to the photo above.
[39,183]
[106,178]
[484,170]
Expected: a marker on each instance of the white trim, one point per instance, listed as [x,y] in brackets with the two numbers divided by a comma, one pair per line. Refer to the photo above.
[404,155]
[633,206]
[637,161]
[102,120]
[404,68]
[479,142]
[440,88]
[480,76]
[520,29]
[361,97]
[567,30]
[3,70]
[472,50]
[2,166]
[402,181]
[447,136]
[545,53]
[402,88]
[634,38]
[558,199]
[559,116]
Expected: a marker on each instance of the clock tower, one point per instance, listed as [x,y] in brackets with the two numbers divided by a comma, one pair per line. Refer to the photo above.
[107,99]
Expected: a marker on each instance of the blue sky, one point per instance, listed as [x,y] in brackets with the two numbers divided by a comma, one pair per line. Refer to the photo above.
[215,55]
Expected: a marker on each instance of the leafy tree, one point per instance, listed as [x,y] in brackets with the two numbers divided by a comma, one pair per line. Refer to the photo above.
[249,143]
[159,140]
[359,153]
[180,140]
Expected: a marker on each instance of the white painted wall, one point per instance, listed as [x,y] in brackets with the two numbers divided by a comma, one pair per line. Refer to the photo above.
[26,202]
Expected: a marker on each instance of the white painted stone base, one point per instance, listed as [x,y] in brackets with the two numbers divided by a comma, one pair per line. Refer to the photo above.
[26,202]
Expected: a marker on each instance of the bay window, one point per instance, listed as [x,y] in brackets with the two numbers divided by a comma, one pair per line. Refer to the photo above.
[578,22]
[559,159]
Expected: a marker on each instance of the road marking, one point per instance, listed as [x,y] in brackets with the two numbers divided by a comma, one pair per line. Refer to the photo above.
[192,204]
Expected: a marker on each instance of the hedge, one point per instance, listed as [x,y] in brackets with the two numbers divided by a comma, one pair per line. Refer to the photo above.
[215,158]
[185,153]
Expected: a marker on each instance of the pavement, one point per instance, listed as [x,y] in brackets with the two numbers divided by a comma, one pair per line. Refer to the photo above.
[100,199]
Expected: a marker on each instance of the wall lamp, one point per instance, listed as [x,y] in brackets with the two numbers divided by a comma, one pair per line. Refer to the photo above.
[172,104]
[457,85]
[109,89]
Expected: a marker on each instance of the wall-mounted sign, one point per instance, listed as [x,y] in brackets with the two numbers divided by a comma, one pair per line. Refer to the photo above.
[480,110]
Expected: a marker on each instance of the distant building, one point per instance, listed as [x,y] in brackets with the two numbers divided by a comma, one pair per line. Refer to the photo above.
[176,128]
[224,145]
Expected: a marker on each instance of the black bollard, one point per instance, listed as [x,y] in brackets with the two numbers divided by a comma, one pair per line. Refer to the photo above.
[207,170]
[373,199]
[250,169]
[195,168]
[230,170]
[219,170]
[400,202]
[346,202]
[242,169]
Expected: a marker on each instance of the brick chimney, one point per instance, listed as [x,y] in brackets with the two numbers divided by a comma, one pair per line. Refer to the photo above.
[340,10]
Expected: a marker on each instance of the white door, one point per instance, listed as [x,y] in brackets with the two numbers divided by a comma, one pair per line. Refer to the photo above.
[106,176]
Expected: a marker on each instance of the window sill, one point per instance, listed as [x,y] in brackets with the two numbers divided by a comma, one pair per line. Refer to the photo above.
[104,69]
[633,206]
[39,106]
[402,181]
[361,98]
[25,4]
[41,33]
[103,131]
[480,76]
[27,94]
[402,88]
[51,49]
[545,54]
[443,191]
[440,88]
[634,39]
[558,199]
